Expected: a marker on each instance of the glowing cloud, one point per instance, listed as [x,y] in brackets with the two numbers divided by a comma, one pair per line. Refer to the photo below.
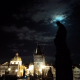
[58,18]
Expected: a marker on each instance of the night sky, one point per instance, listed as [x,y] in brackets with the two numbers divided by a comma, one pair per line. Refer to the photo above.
[23,24]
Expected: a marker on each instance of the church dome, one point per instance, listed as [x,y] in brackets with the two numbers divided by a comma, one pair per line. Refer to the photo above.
[17,58]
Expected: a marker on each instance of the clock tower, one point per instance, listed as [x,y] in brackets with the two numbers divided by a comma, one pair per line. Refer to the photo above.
[39,60]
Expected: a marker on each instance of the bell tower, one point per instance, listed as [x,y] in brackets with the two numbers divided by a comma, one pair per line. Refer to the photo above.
[39,60]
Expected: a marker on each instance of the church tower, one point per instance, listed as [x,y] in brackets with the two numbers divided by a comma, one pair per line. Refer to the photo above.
[39,60]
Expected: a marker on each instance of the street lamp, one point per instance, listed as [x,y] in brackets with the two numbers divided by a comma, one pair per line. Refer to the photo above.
[16,71]
[43,66]
[9,69]
[40,70]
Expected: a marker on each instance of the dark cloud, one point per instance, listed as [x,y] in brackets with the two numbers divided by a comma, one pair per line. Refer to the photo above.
[25,33]
[49,9]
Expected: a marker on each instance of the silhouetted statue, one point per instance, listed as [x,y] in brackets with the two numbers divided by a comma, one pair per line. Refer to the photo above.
[63,58]
[50,73]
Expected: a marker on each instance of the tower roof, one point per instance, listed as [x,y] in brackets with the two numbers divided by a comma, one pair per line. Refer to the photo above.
[38,49]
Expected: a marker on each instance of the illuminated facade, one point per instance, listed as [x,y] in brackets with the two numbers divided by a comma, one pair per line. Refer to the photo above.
[38,68]
[39,61]
[76,73]
[3,67]
[15,67]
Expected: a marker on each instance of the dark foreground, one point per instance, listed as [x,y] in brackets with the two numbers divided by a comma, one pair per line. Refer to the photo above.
[9,77]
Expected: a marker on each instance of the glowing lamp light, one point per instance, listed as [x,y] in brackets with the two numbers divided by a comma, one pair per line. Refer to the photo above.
[18,75]
[16,63]
[40,70]
[43,67]
[9,69]
[31,67]
[16,70]
[12,63]
[25,76]
[28,69]
[20,71]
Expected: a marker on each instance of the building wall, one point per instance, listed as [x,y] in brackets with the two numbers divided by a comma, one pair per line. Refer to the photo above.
[12,69]
[39,62]
[76,73]
[2,69]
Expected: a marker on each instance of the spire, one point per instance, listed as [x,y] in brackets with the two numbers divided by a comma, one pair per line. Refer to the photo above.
[38,50]
[17,54]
